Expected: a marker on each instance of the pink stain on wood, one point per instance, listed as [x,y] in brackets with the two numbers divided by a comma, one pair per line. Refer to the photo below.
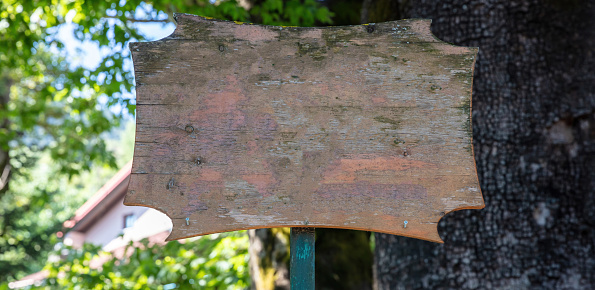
[225,102]
[252,147]
[378,100]
[210,175]
[422,29]
[262,181]
[346,170]
[254,33]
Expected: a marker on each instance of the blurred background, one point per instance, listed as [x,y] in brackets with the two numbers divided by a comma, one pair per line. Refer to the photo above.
[67,109]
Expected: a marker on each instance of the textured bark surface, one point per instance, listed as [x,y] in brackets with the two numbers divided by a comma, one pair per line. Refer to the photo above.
[534,141]
[361,127]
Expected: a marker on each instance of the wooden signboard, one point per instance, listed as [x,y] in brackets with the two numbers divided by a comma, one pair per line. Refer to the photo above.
[245,126]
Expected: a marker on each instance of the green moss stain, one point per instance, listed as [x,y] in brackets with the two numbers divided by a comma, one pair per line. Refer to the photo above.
[465,108]
[312,50]
[344,36]
[464,76]
[460,61]
[435,87]
[398,141]
[386,120]
[427,47]
[195,29]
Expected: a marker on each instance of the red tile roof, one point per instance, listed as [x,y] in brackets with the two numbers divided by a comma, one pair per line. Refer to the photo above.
[86,210]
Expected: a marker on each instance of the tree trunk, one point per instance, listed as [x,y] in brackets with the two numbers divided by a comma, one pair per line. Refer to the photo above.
[269,258]
[534,142]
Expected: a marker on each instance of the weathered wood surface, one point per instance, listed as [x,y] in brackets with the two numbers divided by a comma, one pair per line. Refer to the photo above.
[245,126]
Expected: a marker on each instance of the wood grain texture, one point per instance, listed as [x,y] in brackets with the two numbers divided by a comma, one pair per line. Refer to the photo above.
[245,126]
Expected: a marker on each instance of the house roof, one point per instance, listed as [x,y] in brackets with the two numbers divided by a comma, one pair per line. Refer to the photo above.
[101,202]
[89,213]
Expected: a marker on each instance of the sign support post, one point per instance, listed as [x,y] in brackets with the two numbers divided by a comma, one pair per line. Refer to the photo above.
[302,271]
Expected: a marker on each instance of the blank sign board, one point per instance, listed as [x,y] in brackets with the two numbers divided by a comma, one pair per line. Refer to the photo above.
[244,126]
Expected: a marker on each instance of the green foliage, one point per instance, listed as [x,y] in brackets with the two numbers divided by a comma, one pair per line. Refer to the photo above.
[345,12]
[39,201]
[291,13]
[210,262]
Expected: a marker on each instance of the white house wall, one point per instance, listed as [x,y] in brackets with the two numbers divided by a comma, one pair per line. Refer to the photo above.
[111,225]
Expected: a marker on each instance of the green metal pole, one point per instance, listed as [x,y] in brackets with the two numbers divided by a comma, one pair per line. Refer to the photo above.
[302,258]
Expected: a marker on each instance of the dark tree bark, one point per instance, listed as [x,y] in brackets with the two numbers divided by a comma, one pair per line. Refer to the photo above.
[534,142]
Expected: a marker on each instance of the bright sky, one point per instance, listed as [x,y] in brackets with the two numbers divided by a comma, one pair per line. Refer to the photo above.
[89,55]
